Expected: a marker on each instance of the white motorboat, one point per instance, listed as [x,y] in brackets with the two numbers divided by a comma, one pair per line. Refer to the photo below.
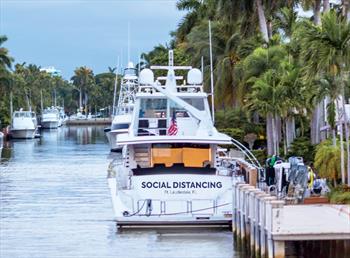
[23,125]
[120,124]
[123,112]
[50,118]
[171,171]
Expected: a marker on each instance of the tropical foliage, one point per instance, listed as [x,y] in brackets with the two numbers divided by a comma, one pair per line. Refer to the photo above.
[28,84]
[276,74]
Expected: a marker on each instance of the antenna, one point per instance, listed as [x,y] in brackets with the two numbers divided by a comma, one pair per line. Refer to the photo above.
[211,75]
[11,104]
[121,59]
[41,101]
[139,66]
[128,42]
[115,87]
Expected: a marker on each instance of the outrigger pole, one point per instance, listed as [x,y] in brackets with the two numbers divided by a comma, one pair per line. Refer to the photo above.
[115,87]
[202,65]
[211,75]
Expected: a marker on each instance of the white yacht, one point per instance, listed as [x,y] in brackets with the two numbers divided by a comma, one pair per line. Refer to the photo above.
[171,171]
[50,118]
[23,125]
[123,112]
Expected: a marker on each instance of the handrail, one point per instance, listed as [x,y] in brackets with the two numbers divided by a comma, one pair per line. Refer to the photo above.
[247,152]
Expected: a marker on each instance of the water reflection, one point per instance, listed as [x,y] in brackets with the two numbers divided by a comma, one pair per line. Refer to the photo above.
[55,203]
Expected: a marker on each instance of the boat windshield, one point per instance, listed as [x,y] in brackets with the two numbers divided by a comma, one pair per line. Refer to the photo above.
[155,115]
[22,114]
[50,111]
[130,71]
[120,126]
[157,108]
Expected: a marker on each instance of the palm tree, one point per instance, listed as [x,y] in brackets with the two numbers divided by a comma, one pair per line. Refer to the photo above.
[265,98]
[5,59]
[83,79]
[325,51]
[197,11]
[5,64]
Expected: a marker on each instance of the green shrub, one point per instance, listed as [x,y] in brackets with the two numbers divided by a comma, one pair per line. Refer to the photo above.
[303,148]
[261,155]
[340,195]
[235,133]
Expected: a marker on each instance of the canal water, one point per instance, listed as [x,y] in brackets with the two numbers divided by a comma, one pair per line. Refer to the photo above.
[54,202]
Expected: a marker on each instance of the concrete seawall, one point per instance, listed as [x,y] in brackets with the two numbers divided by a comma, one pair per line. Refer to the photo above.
[266,227]
[94,121]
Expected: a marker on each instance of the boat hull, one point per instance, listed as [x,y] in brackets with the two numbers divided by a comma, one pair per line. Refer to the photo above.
[49,124]
[174,222]
[23,133]
[174,201]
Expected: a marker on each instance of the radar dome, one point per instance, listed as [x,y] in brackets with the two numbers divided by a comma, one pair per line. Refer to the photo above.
[194,76]
[146,77]
[130,65]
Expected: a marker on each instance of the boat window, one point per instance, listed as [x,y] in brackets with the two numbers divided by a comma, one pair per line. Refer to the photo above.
[130,71]
[22,114]
[153,108]
[196,102]
[120,126]
[177,110]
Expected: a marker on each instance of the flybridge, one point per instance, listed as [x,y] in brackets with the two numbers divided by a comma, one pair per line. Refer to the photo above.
[158,103]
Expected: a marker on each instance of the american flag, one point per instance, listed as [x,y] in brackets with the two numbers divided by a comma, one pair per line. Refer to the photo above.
[172,130]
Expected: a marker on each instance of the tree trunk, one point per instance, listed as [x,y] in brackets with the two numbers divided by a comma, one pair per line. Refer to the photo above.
[340,129]
[334,138]
[345,120]
[80,100]
[290,130]
[262,20]
[317,12]
[85,104]
[322,119]
[269,135]
[326,6]
[346,9]
[269,29]
[285,132]
[275,136]
[278,121]
[315,125]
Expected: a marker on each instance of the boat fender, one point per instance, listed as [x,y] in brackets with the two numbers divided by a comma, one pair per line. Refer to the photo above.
[149,207]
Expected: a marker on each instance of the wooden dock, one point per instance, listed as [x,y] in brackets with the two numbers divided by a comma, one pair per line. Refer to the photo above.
[94,121]
[264,225]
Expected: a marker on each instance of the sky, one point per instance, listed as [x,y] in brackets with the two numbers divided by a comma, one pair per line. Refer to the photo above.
[67,34]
